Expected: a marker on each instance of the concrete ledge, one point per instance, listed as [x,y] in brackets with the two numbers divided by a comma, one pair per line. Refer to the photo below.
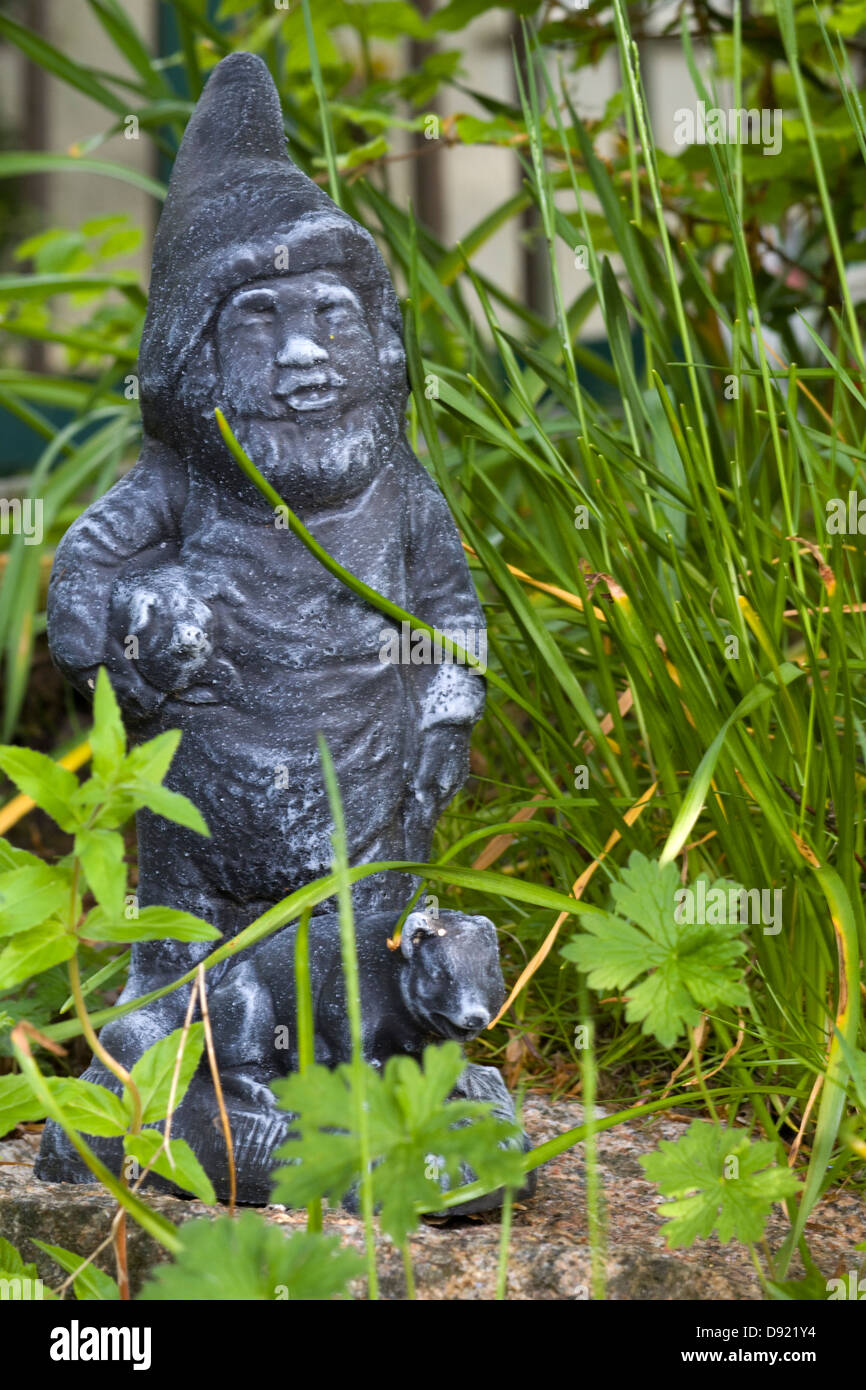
[458,1259]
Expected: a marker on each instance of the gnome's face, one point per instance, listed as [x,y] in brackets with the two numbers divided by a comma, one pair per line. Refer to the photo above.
[308,365]
[295,347]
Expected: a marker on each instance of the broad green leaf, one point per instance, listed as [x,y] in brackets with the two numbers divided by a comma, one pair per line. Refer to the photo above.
[102,858]
[91,1285]
[18,1105]
[245,1259]
[29,895]
[107,737]
[164,802]
[689,967]
[154,1070]
[20,1281]
[42,779]
[17,1287]
[11,857]
[812,1289]
[150,761]
[420,1142]
[31,952]
[150,924]
[720,1181]
[180,1165]
[114,804]
[115,966]
[11,1262]
[90,1108]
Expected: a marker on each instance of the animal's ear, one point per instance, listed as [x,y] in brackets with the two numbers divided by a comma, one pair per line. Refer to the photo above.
[479,921]
[415,928]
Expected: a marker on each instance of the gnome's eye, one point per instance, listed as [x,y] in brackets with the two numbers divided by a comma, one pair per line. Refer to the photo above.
[338,310]
[257,308]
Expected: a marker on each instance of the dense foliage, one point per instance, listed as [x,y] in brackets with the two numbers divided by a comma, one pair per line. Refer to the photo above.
[664,539]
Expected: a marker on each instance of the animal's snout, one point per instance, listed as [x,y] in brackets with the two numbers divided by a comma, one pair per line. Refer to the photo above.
[473,1023]
[471,1020]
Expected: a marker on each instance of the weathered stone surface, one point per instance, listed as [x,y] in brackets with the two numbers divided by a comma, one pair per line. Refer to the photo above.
[549,1257]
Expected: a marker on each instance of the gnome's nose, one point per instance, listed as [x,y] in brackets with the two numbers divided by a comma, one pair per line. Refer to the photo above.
[300,351]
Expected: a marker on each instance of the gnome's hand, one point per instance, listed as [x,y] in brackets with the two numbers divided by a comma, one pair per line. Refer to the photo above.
[168,631]
[442,768]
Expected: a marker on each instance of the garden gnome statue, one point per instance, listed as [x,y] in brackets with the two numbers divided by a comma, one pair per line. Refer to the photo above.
[213,618]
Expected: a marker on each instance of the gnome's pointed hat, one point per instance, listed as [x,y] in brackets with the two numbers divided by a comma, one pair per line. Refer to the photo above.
[238,210]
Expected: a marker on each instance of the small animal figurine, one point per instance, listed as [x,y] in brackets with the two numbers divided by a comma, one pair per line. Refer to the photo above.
[443,982]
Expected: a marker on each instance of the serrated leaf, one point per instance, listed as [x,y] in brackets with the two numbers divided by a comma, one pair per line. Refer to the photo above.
[719,1181]
[114,804]
[151,924]
[164,802]
[31,952]
[107,737]
[182,1167]
[245,1260]
[150,761]
[90,1108]
[18,1105]
[153,1072]
[28,895]
[410,1118]
[102,858]
[44,781]
[91,1285]
[688,967]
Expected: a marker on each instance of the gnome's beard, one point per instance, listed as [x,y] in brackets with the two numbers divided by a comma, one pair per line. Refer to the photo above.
[313,466]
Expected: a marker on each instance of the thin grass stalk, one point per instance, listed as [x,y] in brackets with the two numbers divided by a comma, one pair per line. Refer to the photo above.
[353,1010]
[306,1040]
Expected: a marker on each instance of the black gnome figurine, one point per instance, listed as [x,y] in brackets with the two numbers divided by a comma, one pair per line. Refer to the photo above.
[213,618]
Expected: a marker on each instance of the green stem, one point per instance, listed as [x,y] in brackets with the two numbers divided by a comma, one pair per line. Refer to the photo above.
[319,86]
[504,1238]
[87,1028]
[594,1194]
[762,1278]
[353,1009]
[306,1040]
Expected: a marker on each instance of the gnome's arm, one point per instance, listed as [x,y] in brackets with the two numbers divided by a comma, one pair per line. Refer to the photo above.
[140,514]
[450,696]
